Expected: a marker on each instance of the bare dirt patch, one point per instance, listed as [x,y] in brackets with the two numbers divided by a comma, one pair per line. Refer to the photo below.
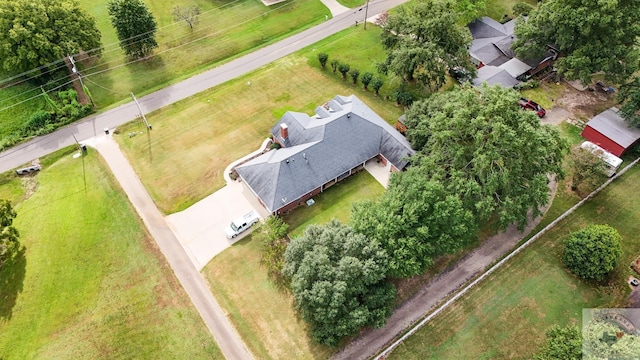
[584,104]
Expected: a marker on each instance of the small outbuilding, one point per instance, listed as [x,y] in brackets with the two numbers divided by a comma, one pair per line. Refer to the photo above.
[611,132]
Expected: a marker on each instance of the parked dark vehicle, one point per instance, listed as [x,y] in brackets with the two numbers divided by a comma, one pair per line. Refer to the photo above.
[532,105]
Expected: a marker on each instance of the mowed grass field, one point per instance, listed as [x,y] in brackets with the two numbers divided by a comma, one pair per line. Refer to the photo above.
[194,140]
[91,283]
[506,315]
[263,312]
[226,29]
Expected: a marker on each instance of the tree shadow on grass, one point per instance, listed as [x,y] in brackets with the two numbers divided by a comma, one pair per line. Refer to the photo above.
[11,282]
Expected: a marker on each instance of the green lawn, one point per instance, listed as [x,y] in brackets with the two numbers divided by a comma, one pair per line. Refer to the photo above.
[226,29]
[262,312]
[534,290]
[195,139]
[497,8]
[546,94]
[91,284]
[334,204]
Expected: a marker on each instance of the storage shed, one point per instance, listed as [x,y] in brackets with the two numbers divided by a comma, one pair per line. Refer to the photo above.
[611,132]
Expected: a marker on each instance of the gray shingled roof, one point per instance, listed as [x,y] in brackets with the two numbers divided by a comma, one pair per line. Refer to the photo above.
[491,41]
[321,148]
[494,75]
[610,124]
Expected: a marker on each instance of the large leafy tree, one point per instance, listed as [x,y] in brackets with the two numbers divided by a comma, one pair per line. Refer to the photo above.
[495,156]
[423,41]
[416,220]
[9,244]
[592,36]
[629,97]
[37,33]
[135,26]
[592,252]
[338,281]
[563,343]
[588,170]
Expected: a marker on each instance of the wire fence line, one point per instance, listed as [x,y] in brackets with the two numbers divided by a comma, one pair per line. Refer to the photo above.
[384,353]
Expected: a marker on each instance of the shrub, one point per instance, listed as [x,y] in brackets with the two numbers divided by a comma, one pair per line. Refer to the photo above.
[376,84]
[592,252]
[522,9]
[366,79]
[344,69]
[334,65]
[322,57]
[355,74]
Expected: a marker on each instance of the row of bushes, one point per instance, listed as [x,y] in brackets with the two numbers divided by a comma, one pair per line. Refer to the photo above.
[64,109]
[345,69]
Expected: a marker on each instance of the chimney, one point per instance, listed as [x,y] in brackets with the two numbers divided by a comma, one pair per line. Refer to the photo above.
[284,131]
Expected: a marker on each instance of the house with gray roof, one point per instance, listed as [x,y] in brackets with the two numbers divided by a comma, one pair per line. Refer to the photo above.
[612,132]
[319,151]
[491,52]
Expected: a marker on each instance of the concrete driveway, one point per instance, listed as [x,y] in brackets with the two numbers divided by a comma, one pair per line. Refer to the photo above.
[200,228]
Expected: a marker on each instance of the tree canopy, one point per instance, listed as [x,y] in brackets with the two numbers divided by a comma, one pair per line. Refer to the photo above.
[135,26]
[415,221]
[487,150]
[629,96]
[592,252]
[37,33]
[562,343]
[591,35]
[338,281]
[423,41]
[588,170]
[9,244]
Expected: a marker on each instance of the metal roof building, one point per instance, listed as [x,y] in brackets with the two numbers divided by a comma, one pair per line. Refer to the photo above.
[611,132]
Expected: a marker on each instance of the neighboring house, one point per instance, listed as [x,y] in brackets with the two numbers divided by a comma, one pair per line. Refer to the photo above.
[491,52]
[611,132]
[320,150]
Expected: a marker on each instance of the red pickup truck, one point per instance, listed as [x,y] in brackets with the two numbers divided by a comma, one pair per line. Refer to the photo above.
[532,105]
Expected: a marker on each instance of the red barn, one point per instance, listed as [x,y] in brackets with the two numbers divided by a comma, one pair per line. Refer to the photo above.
[611,132]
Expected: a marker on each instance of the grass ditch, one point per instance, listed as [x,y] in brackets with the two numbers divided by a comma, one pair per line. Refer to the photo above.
[91,283]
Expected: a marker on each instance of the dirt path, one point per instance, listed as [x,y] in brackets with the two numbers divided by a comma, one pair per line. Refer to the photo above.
[370,341]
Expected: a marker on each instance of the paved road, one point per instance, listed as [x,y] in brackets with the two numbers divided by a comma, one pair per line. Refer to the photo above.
[192,281]
[95,124]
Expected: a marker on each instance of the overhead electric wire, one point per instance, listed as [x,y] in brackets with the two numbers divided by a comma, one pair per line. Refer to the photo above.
[140,59]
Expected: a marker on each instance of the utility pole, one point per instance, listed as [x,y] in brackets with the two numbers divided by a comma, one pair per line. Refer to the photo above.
[146,124]
[82,149]
[74,69]
[366,11]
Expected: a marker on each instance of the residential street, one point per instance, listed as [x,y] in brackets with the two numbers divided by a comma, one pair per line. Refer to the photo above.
[93,125]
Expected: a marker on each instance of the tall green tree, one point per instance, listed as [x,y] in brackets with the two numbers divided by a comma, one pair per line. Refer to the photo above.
[338,281]
[37,33]
[9,236]
[592,252]
[423,41]
[563,343]
[588,170]
[415,221]
[469,10]
[629,97]
[135,25]
[591,35]
[483,147]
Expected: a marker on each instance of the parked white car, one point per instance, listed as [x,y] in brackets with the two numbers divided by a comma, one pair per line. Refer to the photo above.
[241,224]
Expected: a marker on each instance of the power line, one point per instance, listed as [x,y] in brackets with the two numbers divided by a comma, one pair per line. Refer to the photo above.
[140,59]
[113,44]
